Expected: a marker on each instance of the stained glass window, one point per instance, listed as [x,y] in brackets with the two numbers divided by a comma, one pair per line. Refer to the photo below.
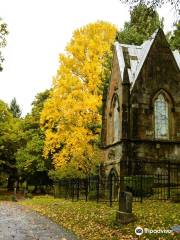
[161,118]
[116,122]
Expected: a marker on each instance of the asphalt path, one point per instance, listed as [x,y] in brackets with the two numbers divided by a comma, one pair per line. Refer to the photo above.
[20,223]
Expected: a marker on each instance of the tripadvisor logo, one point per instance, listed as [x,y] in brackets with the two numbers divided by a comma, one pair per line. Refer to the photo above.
[139,231]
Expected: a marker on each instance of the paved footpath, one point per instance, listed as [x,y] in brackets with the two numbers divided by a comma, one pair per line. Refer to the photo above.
[19,223]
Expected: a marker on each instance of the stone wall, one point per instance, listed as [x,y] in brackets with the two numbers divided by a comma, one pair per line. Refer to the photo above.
[115,88]
[112,150]
[112,156]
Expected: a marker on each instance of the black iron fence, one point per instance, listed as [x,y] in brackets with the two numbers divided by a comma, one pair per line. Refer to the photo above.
[154,181]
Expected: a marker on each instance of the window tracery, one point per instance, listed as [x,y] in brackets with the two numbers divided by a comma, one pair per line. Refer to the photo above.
[161,117]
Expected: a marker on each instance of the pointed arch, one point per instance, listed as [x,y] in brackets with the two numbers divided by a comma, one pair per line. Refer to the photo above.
[165,93]
[113,183]
[113,173]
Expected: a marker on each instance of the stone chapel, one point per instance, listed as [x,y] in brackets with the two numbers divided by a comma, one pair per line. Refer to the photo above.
[141,110]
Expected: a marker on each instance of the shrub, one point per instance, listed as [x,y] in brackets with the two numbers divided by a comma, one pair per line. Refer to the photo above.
[139,185]
[176,198]
[29,195]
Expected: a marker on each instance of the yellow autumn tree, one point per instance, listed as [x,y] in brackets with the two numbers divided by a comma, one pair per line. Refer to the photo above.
[71,116]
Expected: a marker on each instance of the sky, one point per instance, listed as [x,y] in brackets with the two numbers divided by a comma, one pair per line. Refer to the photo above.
[39,30]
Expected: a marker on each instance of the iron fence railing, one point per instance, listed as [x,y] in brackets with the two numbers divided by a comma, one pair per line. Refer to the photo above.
[155,181]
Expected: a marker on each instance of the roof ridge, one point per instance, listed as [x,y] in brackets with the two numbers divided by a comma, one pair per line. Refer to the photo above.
[146,46]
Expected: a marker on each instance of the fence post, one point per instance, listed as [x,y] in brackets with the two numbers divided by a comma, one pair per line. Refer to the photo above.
[110,192]
[72,185]
[169,180]
[141,187]
[65,182]
[86,188]
[97,187]
[56,189]
[78,189]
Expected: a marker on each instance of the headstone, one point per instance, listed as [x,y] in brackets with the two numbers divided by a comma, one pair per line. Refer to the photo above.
[125,200]
[128,201]
[125,215]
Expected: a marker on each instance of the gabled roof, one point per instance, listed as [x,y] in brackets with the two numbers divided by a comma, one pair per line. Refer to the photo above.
[134,56]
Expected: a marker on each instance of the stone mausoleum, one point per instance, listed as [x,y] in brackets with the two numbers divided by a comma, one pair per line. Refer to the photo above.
[141,119]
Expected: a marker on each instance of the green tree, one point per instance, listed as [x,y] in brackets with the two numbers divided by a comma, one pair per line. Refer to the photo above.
[143,22]
[3,42]
[15,108]
[9,142]
[174,37]
[29,158]
[154,3]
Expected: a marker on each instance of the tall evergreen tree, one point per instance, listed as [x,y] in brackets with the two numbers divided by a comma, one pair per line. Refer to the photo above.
[15,108]
[143,22]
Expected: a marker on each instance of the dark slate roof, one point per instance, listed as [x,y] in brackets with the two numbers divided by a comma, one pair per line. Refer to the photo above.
[134,57]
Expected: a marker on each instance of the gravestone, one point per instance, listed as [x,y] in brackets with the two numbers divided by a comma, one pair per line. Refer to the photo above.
[125,215]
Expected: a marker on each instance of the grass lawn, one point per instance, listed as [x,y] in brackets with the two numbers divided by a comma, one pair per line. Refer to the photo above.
[9,196]
[6,197]
[92,221]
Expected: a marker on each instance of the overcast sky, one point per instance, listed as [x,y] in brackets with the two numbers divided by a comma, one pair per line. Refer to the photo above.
[39,31]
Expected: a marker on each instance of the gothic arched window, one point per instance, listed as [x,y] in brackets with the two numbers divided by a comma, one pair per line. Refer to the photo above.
[161,117]
[116,121]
